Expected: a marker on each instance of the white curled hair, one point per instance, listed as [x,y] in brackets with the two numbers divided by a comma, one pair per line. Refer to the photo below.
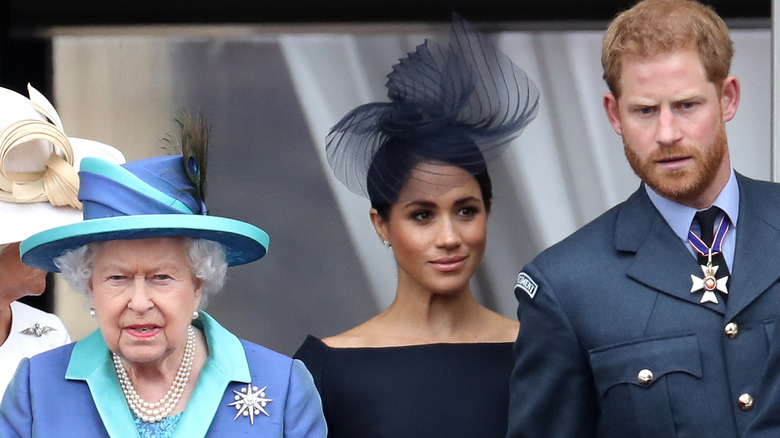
[206,257]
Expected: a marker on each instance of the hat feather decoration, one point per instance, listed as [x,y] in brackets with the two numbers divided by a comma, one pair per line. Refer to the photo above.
[193,146]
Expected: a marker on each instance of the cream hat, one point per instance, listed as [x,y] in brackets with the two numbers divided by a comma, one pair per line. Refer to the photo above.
[39,166]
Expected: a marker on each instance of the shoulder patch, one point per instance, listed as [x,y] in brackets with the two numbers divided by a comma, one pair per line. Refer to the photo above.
[526,284]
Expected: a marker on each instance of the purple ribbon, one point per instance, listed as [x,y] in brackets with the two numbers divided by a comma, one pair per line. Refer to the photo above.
[717,242]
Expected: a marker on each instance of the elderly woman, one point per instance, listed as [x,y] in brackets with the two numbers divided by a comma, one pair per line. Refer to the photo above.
[38,188]
[148,258]
[435,362]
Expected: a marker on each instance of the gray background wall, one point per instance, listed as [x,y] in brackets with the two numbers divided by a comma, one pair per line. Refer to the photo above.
[271,96]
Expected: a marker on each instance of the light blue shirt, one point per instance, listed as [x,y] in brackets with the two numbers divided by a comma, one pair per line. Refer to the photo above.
[680,217]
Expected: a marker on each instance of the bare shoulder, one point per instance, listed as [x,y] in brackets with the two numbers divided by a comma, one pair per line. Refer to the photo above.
[501,328]
[360,336]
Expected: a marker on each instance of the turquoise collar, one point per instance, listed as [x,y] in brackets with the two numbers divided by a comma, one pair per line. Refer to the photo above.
[226,363]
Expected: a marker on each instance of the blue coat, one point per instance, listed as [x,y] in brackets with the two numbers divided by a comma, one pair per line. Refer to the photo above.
[73,391]
[612,301]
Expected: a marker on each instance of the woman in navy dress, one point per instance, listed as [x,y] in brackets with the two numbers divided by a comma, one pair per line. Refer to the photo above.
[435,362]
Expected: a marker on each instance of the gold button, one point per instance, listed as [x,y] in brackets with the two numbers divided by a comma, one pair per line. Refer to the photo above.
[732,330]
[745,402]
[645,377]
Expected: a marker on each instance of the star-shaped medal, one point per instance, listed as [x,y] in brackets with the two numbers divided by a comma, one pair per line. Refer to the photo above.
[250,402]
[37,330]
[709,284]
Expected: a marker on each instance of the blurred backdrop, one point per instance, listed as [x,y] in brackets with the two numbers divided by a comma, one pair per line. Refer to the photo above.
[270,94]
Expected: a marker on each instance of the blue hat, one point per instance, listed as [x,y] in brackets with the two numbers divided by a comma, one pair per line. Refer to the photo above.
[142,199]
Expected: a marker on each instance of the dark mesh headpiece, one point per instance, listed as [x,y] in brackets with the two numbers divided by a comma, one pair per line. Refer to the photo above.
[459,104]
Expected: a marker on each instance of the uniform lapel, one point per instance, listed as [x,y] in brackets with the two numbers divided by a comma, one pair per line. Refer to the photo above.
[661,260]
[758,242]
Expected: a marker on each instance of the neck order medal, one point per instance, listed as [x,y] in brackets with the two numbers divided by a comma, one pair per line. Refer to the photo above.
[709,283]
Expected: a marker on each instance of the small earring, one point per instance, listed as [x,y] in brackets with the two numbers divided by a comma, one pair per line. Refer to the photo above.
[92,312]
[195,315]
[386,243]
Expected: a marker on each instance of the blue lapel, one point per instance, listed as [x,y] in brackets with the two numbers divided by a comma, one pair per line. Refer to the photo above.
[756,265]
[661,260]
[227,362]
[91,362]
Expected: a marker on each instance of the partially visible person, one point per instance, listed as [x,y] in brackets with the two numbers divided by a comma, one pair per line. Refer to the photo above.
[654,320]
[436,362]
[38,187]
[148,257]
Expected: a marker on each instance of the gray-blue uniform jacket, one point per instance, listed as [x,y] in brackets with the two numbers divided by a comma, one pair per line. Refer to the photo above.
[613,343]
[767,422]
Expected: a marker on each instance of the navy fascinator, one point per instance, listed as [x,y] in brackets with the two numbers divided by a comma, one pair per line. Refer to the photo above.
[459,104]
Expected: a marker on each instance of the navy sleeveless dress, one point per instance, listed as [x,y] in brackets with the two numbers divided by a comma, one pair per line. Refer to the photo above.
[434,390]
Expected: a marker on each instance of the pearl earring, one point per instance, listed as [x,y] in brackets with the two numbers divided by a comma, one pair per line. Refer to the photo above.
[195,315]
[92,312]
[386,243]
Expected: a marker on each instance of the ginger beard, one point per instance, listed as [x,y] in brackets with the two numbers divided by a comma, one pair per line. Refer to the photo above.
[680,184]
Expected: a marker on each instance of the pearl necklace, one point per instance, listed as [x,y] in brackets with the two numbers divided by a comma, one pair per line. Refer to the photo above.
[154,412]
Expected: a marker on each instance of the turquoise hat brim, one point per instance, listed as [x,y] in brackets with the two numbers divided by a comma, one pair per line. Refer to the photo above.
[243,242]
